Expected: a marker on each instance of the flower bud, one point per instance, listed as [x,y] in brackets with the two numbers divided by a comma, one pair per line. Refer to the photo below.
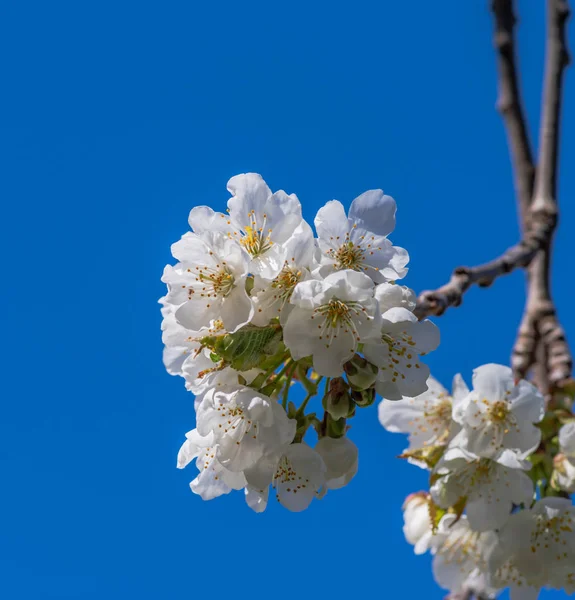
[337,402]
[364,397]
[361,374]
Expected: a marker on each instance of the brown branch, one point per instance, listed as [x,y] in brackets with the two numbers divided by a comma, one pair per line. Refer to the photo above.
[540,317]
[451,294]
[510,106]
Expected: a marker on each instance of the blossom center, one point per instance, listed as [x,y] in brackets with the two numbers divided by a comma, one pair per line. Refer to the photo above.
[217,282]
[349,256]
[499,412]
[286,475]
[285,282]
[256,240]
[352,255]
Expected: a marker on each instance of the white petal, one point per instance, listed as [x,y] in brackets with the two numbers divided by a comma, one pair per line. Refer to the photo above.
[492,381]
[250,193]
[256,499]
[237,308]
[374,212]
[331,222]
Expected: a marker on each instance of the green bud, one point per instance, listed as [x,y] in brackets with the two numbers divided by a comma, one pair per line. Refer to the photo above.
[364,397]
[337,402]
[360,373]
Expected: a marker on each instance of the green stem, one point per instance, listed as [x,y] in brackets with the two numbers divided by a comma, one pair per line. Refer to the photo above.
[289,372]
[310,386]
[300,410]
[272,370]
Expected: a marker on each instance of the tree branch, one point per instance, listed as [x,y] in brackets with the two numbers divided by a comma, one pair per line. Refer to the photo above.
[540,316]
[451,294]
[510,106]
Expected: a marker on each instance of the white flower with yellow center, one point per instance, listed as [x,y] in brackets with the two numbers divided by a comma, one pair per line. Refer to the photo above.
[417,526]
[209,282]
[261,222]
[461,555]
[330,319]
[296,472]
[359,241]
[564,462]
[272,297]
[498,414]
[245,425]
[490,487]
[396,352]
[213,479]
[537,549]
[426,417]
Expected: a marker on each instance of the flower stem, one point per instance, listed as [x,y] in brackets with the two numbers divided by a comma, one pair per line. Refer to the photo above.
[289,371]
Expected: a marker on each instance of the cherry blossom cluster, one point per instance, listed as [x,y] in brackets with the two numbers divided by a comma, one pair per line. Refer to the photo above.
[497,513]
[257,307]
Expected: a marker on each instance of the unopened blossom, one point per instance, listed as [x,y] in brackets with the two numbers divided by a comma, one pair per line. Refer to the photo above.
[427,417]
[537,549]
[498,414]
[359,240]
[245,424]
[260,221]
[272,297]
[330,319]
[396,352]
[460,561]
[296,472]
[489,488]
[564,462]
[417,526]
[209,282]
[340,456]
[213,479]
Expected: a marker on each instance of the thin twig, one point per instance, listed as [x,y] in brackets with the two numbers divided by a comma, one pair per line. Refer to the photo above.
[510,106]
[540,316]
[451,294]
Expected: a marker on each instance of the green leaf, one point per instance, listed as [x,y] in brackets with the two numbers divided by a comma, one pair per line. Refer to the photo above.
[247,348]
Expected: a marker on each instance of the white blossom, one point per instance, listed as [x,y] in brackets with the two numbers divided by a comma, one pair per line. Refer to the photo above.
[213,479]
[179,342]
[340,456]
[397,350]
[296,471]
[209,282]
[272,297]
[491,487]
[427,417]
[564,473]
[245,425]
[259,220]
[417,526]
[359,241]
[461,557]
[498,414]
[330,318]
[537,549]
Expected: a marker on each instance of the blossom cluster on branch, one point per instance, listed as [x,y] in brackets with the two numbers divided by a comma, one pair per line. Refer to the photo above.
[255,305]
[497,513]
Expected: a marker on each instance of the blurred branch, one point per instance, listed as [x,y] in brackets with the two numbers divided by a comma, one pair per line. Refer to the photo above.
[437,301]
[510,106]
[540,320]
[541,338]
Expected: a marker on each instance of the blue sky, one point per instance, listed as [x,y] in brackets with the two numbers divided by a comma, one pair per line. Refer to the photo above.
[117,118]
